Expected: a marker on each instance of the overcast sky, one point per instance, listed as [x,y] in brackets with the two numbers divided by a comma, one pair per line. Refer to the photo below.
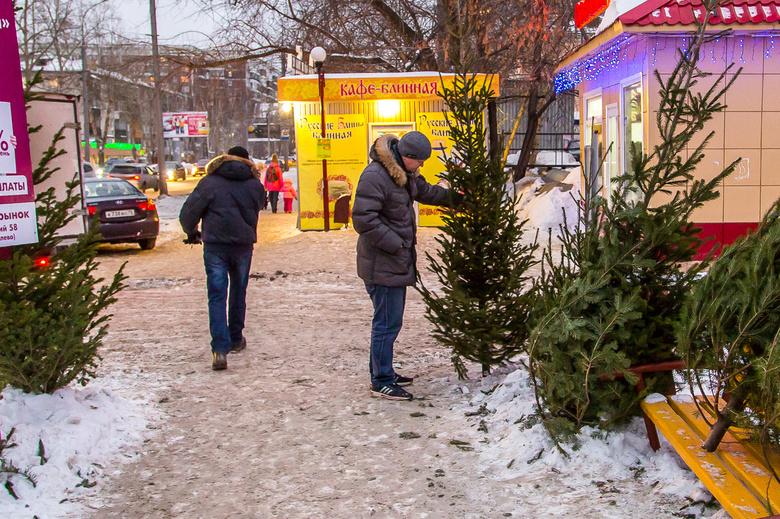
[177,21]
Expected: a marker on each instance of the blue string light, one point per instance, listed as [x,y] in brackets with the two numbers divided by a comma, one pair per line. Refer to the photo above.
[611,56]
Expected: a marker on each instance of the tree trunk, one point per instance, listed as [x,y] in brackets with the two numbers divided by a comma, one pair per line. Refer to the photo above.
[724,421]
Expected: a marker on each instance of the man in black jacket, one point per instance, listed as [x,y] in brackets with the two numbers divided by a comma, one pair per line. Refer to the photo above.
[384,216]
[227,202]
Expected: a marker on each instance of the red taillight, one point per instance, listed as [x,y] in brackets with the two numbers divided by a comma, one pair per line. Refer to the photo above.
[91,209]
[136,177]
[42,262]
[147,206]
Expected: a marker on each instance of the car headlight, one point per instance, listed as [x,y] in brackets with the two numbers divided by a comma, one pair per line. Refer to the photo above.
[99,172]
[170,175]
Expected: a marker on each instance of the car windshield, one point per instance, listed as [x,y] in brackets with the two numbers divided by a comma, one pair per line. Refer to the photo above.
[106,188]
[128,170]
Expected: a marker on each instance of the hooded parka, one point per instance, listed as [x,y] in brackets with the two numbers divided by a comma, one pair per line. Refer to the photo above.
[384,216]
[227,200]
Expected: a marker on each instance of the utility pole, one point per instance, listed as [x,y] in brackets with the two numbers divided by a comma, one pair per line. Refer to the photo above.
[157,108]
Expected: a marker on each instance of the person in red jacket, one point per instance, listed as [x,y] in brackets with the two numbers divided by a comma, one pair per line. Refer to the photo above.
[289,193]
[274,180]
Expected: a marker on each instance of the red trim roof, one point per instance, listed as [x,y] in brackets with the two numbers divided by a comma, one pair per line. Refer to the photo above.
[682,12]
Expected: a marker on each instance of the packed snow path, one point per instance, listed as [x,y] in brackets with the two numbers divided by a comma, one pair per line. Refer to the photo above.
[289,430]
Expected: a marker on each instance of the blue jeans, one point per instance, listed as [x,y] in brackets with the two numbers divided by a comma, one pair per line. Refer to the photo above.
[389,305]
[226,312]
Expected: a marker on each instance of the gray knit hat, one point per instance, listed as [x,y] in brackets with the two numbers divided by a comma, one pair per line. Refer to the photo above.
[414,145]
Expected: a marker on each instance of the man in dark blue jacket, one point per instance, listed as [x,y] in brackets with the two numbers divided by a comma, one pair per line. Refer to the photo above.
[227,202]
[384,216]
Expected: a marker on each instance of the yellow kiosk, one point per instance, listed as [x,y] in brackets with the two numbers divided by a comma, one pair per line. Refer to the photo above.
[359,108]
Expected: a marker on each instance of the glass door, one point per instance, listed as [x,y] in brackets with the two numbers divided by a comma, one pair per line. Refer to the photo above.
[611,140]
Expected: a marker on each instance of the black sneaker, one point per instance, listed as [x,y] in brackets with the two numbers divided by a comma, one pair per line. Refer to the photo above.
[403,381]
[391,392]
[238,346]
[220,361]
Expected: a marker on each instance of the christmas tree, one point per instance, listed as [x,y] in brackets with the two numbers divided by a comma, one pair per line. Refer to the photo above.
[480,308]
[53,318]
[613,298]
[729,336]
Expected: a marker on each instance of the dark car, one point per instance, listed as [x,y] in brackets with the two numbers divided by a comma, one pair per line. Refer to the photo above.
[573,147]
[175,171]
[140,175]
[123,213]
[200,167]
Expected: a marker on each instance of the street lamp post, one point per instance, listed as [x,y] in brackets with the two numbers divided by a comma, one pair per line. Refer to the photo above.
[157,108]
[318,55]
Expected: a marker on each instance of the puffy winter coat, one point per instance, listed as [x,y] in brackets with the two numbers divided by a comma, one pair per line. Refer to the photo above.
[288,190]
[227,201]
[384,216]
[273,185]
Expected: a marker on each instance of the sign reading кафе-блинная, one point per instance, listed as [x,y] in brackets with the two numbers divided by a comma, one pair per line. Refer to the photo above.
[368,87]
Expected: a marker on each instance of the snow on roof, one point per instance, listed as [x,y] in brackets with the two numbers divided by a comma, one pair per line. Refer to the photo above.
[682,12]
[615,9]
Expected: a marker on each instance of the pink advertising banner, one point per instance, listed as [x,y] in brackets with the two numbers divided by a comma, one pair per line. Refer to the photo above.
[17,198]
[185,124]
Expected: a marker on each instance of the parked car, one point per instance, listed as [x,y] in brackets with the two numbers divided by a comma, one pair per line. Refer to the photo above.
[140,175]
[573,147]
[175,171]
[124,214]
[200,167]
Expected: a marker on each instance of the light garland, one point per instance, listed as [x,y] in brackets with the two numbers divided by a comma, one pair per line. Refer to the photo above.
[616,53]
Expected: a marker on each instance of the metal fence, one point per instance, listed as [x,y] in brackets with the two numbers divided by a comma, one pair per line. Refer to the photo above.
[557,126]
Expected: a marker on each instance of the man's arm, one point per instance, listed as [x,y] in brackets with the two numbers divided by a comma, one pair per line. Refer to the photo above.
[429,194]
[192,211]
[369,200]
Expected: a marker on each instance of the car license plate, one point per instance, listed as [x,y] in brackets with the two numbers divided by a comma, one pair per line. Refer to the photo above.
[120,214]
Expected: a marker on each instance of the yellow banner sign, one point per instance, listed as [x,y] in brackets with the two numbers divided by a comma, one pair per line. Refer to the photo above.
[434,126]
[348,136]
[366,87]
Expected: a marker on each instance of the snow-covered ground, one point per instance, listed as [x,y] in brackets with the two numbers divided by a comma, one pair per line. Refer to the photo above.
[67,440]
[516,447]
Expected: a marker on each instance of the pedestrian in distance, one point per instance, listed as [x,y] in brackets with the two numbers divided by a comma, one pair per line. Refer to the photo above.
[384,217]
[289,193]
[274,181]
[226,203]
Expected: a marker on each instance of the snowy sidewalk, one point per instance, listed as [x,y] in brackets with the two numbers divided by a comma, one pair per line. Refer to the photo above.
[289,430]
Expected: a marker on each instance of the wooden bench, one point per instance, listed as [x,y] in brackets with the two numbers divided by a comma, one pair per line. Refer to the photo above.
[736,473]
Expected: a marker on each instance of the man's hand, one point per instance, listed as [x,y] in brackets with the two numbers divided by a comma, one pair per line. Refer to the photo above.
[193,238]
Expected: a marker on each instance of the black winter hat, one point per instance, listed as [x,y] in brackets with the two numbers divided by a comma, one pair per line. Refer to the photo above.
[238,151]
[414,145]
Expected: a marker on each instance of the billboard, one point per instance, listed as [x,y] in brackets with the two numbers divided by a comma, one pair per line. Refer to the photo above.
[18,224]
[185,124]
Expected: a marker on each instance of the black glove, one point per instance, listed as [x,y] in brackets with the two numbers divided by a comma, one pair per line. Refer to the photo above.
[193,238]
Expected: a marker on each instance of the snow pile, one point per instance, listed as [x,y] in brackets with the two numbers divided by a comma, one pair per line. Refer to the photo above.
[547,206]
[518,446]
[168,208]
[556,158]
[64,441]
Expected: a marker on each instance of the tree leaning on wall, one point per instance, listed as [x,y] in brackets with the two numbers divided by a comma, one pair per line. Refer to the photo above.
[613,299]
[53,319]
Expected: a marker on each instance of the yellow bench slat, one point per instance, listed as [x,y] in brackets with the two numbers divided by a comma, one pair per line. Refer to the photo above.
[737,458]
[726,488]
[744,436]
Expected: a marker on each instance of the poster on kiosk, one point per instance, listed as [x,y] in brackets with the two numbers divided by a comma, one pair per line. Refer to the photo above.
[17,199]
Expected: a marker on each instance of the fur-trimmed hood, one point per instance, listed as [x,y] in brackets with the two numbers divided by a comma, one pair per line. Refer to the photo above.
[231,172]
[382,150]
